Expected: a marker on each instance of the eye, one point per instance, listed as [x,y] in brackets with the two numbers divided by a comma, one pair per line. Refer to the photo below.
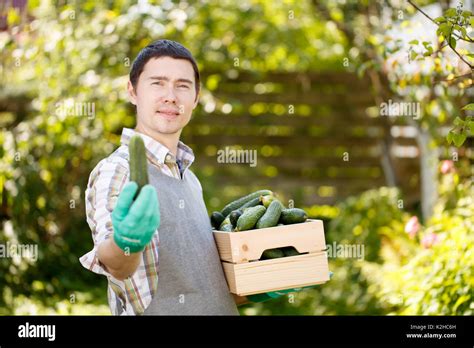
[159,83]
[183,86]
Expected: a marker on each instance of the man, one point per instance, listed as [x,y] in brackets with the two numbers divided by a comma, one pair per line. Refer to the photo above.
[159,258]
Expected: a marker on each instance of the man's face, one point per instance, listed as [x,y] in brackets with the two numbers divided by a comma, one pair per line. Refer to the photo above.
[165,95]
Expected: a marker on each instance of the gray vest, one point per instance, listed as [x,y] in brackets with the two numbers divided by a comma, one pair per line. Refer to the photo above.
[191,279]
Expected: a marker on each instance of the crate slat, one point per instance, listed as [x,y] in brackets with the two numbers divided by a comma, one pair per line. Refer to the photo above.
[245,246]
[277,274]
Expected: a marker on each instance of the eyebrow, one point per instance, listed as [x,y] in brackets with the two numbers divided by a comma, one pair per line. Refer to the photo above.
[164,78]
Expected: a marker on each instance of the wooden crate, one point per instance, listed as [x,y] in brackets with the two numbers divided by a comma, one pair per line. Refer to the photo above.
[246,275]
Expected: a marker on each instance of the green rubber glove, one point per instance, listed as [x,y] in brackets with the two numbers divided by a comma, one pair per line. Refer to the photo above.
[135,222]
[275,294]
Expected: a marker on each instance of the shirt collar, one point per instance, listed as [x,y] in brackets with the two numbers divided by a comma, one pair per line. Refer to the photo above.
[158,153]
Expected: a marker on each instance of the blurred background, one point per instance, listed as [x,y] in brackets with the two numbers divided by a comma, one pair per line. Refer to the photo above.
[307,84]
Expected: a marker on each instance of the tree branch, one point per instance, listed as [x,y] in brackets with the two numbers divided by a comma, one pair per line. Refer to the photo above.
[454,50]
[431,19]
[447,40]
[468,75]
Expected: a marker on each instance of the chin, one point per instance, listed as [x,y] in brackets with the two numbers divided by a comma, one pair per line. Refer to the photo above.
[168,130]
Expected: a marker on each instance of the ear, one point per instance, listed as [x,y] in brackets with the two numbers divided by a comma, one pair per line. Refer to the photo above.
[196,101]
[132,94]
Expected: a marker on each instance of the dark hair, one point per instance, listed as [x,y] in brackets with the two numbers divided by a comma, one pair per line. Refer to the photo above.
[163,48]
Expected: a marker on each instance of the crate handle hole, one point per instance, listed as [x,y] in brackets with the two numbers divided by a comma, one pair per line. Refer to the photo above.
[276,253]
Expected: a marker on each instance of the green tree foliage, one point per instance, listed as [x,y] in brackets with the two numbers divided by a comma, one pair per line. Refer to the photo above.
[437,278]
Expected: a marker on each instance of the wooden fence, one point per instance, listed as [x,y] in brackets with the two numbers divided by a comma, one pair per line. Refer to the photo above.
[319,137]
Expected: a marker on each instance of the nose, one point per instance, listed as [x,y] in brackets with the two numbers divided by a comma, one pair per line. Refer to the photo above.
[169,96]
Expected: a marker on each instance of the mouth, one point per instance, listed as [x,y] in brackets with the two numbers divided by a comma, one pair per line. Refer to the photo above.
[168,114]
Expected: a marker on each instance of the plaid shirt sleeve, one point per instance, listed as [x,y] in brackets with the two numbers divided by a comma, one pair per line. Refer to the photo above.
[105,184]
[132,295]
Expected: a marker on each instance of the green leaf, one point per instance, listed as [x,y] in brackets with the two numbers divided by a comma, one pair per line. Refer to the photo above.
[459,138]
[429,51]
[469,107]
[470,124]
[444,30]
[460,301]
[451,12]
[413,42]
[452,42]
[449,137]
[458,121]
[461,30]
[440,20]
[413,55]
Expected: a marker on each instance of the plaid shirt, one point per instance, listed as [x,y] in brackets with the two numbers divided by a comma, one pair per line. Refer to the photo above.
[132,295]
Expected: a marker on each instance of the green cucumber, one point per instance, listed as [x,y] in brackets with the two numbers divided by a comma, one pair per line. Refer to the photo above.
[250,217]
[216,219]
[271,216]
[272,254]
[234,216]
[225,225]
[251,203]
[293,216]
[138,162]
[266,200]
[234,205]
[226,228]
